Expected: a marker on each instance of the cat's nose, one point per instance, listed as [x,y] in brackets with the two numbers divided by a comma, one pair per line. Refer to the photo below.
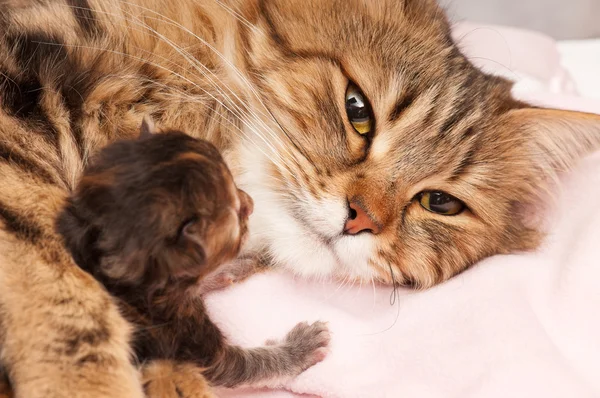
[246,204]
[360,221]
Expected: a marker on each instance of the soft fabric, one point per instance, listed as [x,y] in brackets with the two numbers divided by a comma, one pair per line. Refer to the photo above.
[582,59]
[525,325]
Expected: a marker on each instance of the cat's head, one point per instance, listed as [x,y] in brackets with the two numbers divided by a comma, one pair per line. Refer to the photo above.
[160,207]
[391,154]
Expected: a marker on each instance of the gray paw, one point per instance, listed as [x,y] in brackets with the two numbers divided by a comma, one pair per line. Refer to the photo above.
[307,344]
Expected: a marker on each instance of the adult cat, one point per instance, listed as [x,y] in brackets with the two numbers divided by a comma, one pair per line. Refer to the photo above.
[372,147]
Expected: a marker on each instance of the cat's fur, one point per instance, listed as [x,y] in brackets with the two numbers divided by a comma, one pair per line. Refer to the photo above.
[152,219]
[265,81]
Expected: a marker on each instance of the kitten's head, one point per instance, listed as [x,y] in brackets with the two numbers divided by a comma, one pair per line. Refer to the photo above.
[391,155]
[163,206]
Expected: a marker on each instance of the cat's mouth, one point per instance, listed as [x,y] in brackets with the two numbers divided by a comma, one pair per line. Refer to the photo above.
[350,253]
[310,229]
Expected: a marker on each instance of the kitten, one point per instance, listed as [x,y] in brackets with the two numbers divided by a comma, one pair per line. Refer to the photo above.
[153,218]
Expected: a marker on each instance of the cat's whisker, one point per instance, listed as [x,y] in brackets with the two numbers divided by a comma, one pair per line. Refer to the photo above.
[206,72]
[342,284]
[195,63]
[280,165]
[238,73]
[240,115]
[394,299]
[236,15]
[374,291]
[223,117]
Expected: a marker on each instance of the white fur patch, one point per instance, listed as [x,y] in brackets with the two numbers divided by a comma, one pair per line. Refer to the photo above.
[315,247]
[354,253]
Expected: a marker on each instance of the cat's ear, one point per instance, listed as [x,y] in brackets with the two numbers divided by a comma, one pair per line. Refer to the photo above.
[557,139]
[553,141]
[147,128]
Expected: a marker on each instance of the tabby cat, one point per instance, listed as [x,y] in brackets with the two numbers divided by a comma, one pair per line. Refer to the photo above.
[372,148]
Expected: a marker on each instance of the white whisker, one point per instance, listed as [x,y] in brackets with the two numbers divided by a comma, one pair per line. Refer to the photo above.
[241,116]
[195,63]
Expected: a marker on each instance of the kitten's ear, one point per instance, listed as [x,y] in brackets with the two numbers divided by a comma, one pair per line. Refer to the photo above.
[193,235]
[148,128]
[557,139]
[195,246]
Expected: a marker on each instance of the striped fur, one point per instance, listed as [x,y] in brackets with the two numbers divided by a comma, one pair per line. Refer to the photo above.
[264,80]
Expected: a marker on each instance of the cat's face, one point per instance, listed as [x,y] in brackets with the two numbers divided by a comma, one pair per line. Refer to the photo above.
[392,156]
[166,206]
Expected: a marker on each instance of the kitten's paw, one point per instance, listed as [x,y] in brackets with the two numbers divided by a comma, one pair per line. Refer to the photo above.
[307,344]
[229,274]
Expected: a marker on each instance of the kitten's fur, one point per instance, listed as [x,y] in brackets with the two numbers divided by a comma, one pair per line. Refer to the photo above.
[265,81]
[152,219]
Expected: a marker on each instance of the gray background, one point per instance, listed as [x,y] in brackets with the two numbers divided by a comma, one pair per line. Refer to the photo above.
[561,19]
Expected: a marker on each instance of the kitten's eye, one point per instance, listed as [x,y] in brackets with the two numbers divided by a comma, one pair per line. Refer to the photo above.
[358,110]
[441,203]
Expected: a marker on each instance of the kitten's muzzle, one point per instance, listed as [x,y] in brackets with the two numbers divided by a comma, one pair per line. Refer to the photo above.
[246,205]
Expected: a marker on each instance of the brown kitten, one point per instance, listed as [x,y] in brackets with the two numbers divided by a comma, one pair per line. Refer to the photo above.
[151,219]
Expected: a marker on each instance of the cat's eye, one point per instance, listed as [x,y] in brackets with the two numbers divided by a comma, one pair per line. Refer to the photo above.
[358,110]
[441,203]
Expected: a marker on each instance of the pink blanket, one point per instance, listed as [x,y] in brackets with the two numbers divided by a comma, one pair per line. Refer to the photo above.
[513,326]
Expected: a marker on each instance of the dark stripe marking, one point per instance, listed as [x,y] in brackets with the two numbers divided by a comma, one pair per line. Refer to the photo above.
[34,51]
[285,47]
[467,160]
[402,105]
[22,228]
[20,98]
[39,53]
[25,164]
[461,109]
[86,18]
[463,165]
[431,113]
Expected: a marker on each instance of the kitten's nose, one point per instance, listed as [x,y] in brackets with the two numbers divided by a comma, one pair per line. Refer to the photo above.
[360,221]
[246,204]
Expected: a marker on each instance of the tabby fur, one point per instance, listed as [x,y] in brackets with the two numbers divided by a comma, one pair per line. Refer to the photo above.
[264,80]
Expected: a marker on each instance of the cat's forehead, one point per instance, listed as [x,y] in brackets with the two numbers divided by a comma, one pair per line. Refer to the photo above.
[379,30]
[430,104]
[391,49]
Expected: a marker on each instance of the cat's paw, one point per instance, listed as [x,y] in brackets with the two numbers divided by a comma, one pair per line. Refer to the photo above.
[307,344]
[169,379]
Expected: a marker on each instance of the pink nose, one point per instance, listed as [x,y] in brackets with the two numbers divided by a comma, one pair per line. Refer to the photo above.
[360,221]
